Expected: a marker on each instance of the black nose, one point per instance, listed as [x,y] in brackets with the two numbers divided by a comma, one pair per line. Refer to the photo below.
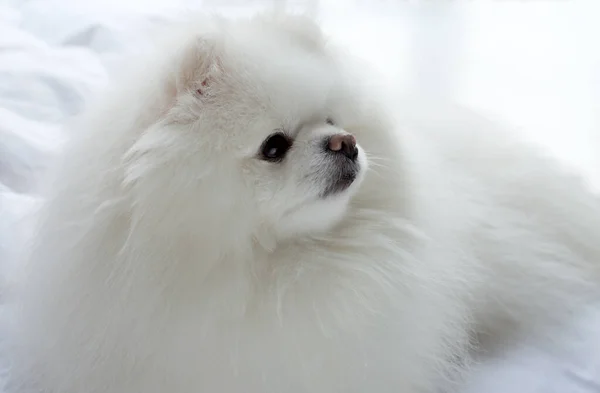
[345,144]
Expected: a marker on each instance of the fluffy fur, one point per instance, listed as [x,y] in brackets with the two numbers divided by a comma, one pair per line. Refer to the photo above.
[170,257]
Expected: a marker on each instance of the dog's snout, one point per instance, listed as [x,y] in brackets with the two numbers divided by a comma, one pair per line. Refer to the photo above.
[344,144]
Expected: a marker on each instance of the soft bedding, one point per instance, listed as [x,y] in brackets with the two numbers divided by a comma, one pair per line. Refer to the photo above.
[55,54]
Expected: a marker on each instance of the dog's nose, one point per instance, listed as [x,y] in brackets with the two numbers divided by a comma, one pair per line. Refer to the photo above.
[345,144]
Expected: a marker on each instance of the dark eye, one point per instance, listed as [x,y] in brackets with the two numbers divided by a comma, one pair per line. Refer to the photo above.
[275,147]
[330,121]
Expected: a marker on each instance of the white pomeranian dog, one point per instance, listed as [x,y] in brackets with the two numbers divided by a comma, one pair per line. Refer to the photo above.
[244,214]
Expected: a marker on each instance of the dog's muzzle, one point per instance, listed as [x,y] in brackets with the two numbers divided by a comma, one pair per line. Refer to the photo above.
[343,167]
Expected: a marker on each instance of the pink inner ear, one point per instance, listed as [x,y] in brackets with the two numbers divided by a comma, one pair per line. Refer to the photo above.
[203,84]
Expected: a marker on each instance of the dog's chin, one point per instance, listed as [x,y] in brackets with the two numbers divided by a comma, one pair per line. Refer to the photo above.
[340,183]
[315,216]
[344,175]
[327,208]
[321,213]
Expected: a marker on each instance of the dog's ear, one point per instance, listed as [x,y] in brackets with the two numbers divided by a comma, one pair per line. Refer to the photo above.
[199,62]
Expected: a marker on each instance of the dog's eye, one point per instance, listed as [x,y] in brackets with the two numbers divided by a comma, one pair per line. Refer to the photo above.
[330,121]
[275,147]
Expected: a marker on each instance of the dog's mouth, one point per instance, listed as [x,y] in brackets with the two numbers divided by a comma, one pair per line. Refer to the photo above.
[342,177]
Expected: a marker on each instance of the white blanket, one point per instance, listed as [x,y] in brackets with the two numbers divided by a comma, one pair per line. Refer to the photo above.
[533,64]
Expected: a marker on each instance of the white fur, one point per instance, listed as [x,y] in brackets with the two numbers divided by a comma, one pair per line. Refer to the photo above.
[169,258]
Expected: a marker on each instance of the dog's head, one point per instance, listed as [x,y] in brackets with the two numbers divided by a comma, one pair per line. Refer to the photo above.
[256,134]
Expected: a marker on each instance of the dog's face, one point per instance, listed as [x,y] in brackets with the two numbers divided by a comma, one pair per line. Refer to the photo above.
[266,111]
[303,175]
